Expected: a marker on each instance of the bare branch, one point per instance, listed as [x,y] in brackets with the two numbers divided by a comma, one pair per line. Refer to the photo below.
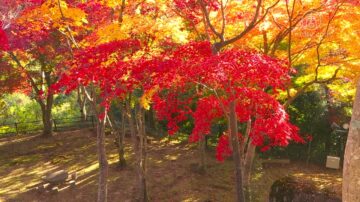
[223,19]
[88,96]
[17,61]
[255,21]
[216,94]
[178,12]
[322,39]
[67,26]
[282,34]
[121,13]
[307,85]
[208,21]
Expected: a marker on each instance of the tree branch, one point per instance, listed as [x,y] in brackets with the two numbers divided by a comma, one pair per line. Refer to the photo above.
[121,13]
[282,34]
[207,19]
[256,20]
[321,41]
[31,80]
[307,85]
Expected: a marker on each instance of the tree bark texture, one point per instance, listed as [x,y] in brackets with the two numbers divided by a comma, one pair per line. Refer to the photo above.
[47,119]
[82,103]
[46,106]
[248,158]
[103,163]
[137,129]
[236,152]
[120,138]
[202,155]
[351,171]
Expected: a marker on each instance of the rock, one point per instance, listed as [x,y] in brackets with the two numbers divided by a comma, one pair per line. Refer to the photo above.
[45,186]
[290,189]
[56,177]
[72,183]
[54,190]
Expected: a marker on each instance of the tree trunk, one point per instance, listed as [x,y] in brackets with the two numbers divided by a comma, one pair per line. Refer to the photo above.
[83,112]
[202,155]
[236,152]
[121,146]
[139,152]
[330,114]
[46,115]
[46,105]
[103,163]
[82,103]
[46,119]
[142,149]
[351,172]
[151,120]
[248,158]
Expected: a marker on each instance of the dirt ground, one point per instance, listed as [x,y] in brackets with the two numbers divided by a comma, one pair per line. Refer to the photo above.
[171,177]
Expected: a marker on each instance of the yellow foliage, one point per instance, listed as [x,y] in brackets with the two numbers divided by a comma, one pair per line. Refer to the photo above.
[111,32]
[51,15]
[145,100]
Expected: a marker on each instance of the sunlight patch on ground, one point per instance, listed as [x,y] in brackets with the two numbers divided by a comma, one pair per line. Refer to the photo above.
[89,169]
[171,157]
[155,161]
[18,180]
[299,174]
[191,199]
[86,179]
[169,172]
[49,146]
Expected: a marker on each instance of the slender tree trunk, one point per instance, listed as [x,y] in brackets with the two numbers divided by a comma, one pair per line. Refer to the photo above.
[236,152]
[118,128]
[103,163]
[47,115]
[150,115]
[101,149]
[46,104]
[46,119]
[330,113]
[351,172]
[143,144]
[202,155]
[249,159]
[120,138]
[248,156]
[138,142]
[82,103]
[83,111]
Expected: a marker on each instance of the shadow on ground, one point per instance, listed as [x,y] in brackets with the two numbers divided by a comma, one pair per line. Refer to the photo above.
[24,160]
